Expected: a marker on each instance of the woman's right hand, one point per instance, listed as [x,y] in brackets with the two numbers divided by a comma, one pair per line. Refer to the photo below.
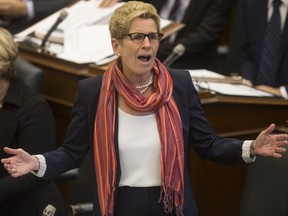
[20,163]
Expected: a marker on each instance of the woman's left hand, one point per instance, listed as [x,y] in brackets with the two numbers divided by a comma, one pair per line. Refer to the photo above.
[271,145]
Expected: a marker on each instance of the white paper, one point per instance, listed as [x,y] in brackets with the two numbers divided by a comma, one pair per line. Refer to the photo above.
[203,73]
[221,87]
[164,23]
[233,89]
[87,44]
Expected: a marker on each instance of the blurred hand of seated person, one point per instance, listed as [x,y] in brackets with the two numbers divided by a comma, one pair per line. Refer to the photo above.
[17,15]
[108,3]
[26,121]
[13,8]
[272,90]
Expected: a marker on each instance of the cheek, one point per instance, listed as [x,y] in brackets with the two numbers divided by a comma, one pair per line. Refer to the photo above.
[129,53]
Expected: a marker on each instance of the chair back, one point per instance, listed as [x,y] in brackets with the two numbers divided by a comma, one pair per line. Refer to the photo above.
[266,188]
[31,75]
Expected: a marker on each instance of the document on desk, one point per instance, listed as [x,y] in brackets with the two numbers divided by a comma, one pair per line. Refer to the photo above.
[233,89]
[224,88]
[84,33]
[89,44]
[82,13]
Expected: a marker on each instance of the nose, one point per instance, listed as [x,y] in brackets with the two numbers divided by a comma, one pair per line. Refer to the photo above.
[146,42]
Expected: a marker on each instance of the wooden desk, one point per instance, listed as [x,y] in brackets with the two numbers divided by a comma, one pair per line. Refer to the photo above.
[217,187]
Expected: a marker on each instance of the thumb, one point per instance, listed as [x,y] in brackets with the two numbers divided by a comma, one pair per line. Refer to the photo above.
[269,130]
[10,151]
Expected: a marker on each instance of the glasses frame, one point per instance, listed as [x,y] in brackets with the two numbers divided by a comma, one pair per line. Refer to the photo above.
[159,34]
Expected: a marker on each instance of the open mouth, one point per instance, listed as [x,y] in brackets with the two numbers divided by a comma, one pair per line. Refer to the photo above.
[144,58]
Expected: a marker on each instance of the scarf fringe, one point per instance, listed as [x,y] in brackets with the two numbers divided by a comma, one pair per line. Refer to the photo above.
[170,199]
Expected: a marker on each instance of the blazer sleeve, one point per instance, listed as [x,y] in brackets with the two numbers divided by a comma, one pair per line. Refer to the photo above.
[197,131]
[205,141]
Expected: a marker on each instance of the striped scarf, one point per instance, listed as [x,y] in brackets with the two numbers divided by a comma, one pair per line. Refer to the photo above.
[170,131]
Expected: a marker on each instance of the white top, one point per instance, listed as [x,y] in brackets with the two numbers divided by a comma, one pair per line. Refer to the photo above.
[139,150]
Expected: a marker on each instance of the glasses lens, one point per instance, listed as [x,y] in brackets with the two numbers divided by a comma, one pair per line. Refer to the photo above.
[153,37]
[137,37]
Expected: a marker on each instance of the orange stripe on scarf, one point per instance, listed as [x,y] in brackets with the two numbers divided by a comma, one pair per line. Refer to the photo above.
[169,126]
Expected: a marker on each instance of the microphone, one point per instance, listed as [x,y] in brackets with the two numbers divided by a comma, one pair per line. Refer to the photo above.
[60,19]
[49,211]
[178,51]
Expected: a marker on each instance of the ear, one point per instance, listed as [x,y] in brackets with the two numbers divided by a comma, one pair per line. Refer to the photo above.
[115,46]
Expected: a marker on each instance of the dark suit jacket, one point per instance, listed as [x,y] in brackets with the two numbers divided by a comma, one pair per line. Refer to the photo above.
[253,27]
[196,131]
[42,9]
[205,22]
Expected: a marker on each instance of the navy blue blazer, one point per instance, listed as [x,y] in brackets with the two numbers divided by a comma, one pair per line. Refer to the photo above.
[196,131]
[254,19]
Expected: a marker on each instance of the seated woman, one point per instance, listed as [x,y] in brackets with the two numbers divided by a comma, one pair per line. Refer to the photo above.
[26,121]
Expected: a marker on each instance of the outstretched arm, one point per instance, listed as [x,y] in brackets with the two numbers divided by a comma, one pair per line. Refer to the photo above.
[20,163]
[271,145]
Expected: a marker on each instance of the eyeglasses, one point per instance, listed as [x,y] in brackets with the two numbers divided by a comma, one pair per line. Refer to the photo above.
[138,37]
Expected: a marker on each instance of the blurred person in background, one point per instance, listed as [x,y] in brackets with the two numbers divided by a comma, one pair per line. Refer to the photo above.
[26,121]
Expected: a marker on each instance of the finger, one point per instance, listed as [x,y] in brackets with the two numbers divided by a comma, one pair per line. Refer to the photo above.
[12,170]
[281,137]
[269,130]
[10,150]
[5,160]
[282,143]
[277,155]
[7,166]
[280,150]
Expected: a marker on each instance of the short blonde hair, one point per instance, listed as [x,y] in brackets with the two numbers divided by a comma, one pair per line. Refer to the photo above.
[123,16]
[8,54]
